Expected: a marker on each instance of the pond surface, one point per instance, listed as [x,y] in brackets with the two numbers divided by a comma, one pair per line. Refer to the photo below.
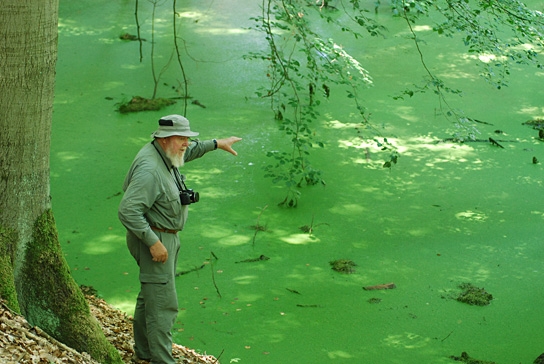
[446,214]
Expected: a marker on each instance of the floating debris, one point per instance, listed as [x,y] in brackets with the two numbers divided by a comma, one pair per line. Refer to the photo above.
[467,359]
[138,103]
[198,103]
[310,228]
[488,140]
[261,257]
[494,142]
[535,123]
[374,300]
[293,291]
[473,295]
[190,270]
[540,359]
[114,195]
[479,121]
[380,286]
[344,266]
[127,36]
[258,227]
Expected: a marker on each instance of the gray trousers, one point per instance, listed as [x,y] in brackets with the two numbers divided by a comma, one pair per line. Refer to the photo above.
[157,303]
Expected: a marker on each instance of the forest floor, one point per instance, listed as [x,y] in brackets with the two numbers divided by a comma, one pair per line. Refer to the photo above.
[22,343]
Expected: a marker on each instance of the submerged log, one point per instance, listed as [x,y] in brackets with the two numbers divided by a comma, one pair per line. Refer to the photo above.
[380,286]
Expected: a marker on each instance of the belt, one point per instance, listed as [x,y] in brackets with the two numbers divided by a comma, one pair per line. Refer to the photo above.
[169,231]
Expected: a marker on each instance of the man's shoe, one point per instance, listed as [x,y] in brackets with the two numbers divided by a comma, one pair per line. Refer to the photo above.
[137,360]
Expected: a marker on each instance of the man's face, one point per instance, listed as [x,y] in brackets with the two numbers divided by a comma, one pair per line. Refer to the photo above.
[175,147]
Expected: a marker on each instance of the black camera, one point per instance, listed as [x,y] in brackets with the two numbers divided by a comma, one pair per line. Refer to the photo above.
[188,197]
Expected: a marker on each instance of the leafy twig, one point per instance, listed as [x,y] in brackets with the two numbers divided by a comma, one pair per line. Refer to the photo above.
[257,226]
[190,270]
[212,257]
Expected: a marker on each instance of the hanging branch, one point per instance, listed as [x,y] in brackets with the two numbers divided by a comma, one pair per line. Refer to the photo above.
[295,84]
[435,81]
[438,85]
[138,31]
[155,79]
[185,87]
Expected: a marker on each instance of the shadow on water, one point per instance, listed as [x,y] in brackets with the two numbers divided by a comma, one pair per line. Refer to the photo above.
[447,213]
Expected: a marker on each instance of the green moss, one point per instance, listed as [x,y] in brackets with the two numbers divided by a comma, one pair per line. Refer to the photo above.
[473,295]
[52,299]
[7,282]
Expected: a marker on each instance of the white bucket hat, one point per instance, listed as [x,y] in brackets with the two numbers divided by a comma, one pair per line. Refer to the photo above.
[173,125]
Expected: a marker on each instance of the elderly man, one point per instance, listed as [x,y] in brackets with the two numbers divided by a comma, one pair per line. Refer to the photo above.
[153,210]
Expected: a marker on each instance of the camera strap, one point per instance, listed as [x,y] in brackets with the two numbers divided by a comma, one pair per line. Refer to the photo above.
[178,179]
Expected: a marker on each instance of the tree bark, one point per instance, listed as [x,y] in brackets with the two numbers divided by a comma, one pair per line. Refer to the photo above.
[35,277]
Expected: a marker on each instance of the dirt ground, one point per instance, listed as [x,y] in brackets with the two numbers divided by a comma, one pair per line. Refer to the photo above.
[21,343]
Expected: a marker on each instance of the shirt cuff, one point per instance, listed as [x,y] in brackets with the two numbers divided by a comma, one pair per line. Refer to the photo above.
[209,145]
[149,238]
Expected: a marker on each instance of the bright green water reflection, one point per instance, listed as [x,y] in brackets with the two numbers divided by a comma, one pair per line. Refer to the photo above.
[445,214]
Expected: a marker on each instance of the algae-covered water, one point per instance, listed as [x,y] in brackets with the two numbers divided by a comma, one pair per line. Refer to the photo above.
[445,214]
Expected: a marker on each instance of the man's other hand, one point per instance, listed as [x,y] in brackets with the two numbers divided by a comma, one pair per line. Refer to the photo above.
[158,252]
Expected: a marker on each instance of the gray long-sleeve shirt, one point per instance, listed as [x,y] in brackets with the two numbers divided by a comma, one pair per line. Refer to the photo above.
[151,195]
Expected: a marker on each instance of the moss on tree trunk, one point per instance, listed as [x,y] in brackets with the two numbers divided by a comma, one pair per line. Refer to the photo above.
[7,286]
[52,299]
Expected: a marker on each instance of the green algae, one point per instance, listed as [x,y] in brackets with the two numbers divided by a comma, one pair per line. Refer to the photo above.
[488,210]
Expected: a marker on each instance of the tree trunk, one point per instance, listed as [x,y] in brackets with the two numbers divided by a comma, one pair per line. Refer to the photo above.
[35,277]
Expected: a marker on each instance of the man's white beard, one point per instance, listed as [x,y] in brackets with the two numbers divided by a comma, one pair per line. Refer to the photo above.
[176,159]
